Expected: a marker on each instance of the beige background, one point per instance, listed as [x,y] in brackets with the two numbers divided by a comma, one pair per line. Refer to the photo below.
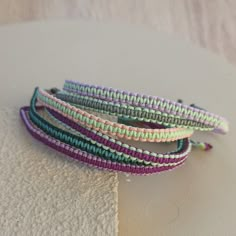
[184,200]
[196,199]
[208,23]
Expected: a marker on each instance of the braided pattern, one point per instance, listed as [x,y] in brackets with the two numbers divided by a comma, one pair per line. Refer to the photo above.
[86,157]
[182,150]
[108,152]
[63,123]
[155,103]
[108,127]
[137,113]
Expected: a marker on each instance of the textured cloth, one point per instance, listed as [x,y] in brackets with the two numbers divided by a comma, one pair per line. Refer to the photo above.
[45,193]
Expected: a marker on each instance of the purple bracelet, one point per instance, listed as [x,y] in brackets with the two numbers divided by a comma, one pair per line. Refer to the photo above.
[165,106]
[86,157]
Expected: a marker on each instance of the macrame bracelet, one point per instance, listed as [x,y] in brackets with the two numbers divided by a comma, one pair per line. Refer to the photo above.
[136,160]
[108,127]
[84,156]
[63,122]
[120,147]
[130,112]
[151,104]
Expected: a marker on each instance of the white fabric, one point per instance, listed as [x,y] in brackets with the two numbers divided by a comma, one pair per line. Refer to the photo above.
[42,192]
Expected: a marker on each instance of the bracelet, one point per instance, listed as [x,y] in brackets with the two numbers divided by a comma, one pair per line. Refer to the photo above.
[108,127]
[42,130]
[83,156]
[128,111]
[62,120]
[151,103]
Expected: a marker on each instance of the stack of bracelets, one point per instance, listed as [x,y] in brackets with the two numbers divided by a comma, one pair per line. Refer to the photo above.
[65,121]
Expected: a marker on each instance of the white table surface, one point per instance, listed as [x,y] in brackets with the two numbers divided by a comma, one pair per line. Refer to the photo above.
[196,199]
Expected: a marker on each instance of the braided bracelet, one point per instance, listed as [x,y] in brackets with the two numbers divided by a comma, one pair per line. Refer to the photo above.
[152,108]
[62,123]
[133,162]
[108,127]
[83,156]
[128,111]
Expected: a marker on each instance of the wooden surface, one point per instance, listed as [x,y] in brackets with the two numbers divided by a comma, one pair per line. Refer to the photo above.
[210,24]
